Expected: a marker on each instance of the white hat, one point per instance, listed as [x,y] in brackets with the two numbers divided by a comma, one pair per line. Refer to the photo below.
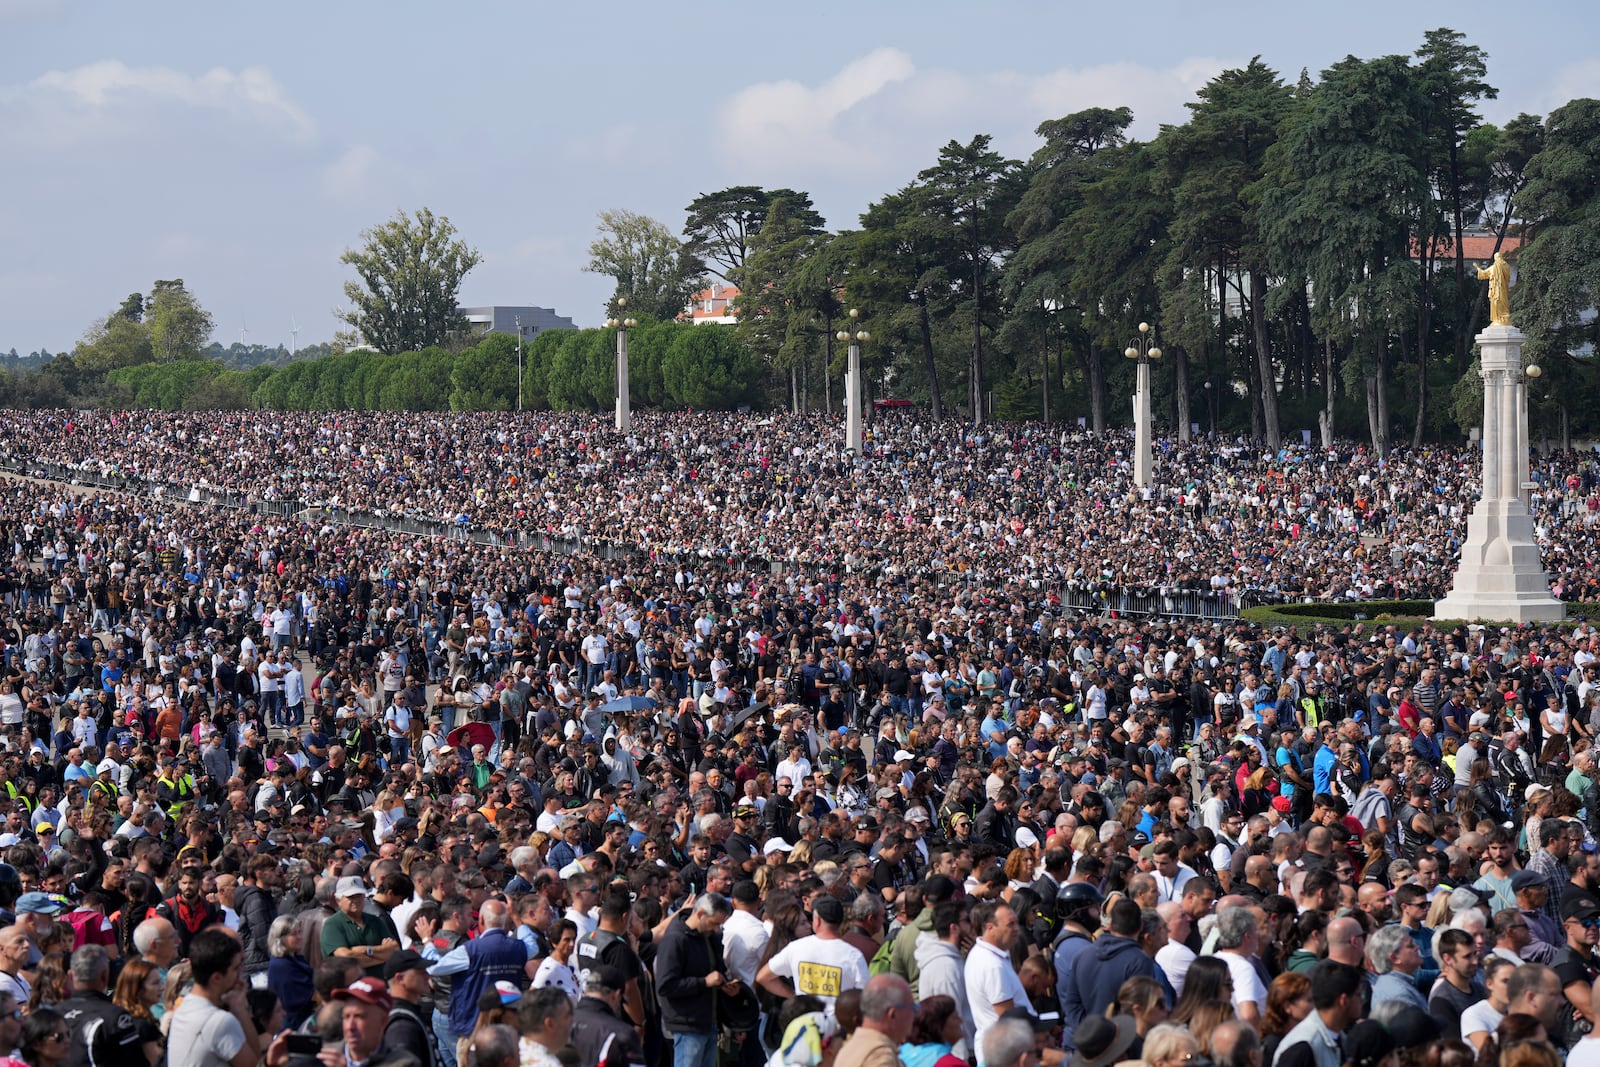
[7,840]
[350,887]
[106,766]
[777,844]
[1180,763]
[902,755]
[1534,790]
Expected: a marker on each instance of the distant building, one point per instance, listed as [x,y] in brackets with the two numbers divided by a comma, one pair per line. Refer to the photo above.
[505,319]
[1477,246]
[712,305]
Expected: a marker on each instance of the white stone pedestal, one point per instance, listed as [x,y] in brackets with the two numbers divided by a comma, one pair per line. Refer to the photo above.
[624,407]
[852,399]
[1143,460]
[1500,577]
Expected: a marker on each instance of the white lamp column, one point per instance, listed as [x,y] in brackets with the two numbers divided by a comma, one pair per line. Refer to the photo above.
[1142,348]
[852,384]
[622,326]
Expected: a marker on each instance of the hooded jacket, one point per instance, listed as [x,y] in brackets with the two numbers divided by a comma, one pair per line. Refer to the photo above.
[902,960]
[942,970]
[1099,972]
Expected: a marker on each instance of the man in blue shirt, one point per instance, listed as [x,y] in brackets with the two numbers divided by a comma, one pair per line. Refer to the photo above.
[994,732]
[1322,767]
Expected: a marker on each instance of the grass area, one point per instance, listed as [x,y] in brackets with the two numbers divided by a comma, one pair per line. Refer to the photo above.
[1376,612]
[1342,613]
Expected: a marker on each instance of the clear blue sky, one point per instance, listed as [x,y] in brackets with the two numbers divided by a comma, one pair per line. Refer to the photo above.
[243,148]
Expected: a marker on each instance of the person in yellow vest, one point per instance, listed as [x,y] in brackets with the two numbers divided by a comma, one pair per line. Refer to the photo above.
[18,795]
[105,782]
[1312,708]
[174,788]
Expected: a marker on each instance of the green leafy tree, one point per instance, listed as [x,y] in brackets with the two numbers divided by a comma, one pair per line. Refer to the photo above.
[1559,270]
[412,381]
[1344,187]
[292,388]
[1121,229]
[1040,274]
[1450,77]
[970,191]
[179,326]
[410,271]
[167,386]
[898,279]
[647,348]
[583,371]
[775,309]
[112,342]
[484,377]
[538,359]
[653,269]
[721,226]
[706,367]
[229,390]
[1215,163]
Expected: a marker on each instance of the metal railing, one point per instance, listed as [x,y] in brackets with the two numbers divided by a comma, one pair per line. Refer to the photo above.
[1074,597]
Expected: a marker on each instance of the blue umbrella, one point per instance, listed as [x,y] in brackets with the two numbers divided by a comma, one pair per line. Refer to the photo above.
[629,704]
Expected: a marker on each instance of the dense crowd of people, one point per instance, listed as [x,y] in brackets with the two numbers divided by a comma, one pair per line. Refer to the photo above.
[1006,503]
[295,792]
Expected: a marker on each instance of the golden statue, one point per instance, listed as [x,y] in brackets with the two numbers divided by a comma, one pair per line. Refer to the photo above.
[1498,275]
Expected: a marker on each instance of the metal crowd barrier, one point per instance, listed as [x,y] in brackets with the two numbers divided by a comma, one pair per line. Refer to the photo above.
[1095,598]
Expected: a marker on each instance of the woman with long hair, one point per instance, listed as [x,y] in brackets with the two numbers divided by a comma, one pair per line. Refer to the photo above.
[1376,865]
[1144,1001]
[52,981]
[1207,999]
[1440,1054]
[1530,1054]
[139,988]
[1515,1030]
[1288,1002]
[789,924]
[935,1034]
[1486,796]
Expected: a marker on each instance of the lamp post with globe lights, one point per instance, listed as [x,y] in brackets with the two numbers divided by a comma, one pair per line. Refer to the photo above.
[852,384]
[622,326]
[1525,416]
[1142,348]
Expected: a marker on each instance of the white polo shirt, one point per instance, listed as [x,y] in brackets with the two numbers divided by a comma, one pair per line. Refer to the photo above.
[991,980]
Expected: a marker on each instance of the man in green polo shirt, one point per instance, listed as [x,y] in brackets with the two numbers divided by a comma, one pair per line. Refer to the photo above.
[353,933]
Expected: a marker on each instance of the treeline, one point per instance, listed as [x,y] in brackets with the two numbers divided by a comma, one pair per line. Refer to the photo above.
[1298,244]
[671,365]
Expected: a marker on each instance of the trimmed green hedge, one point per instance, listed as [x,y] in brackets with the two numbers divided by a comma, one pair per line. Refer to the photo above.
[1391,611]
[1349,609]
[1339,613]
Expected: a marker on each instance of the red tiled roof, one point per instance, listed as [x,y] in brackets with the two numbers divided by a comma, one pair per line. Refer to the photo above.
[1473,247]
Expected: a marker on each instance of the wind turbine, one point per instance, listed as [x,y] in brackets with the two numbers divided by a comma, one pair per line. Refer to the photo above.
[292,334]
